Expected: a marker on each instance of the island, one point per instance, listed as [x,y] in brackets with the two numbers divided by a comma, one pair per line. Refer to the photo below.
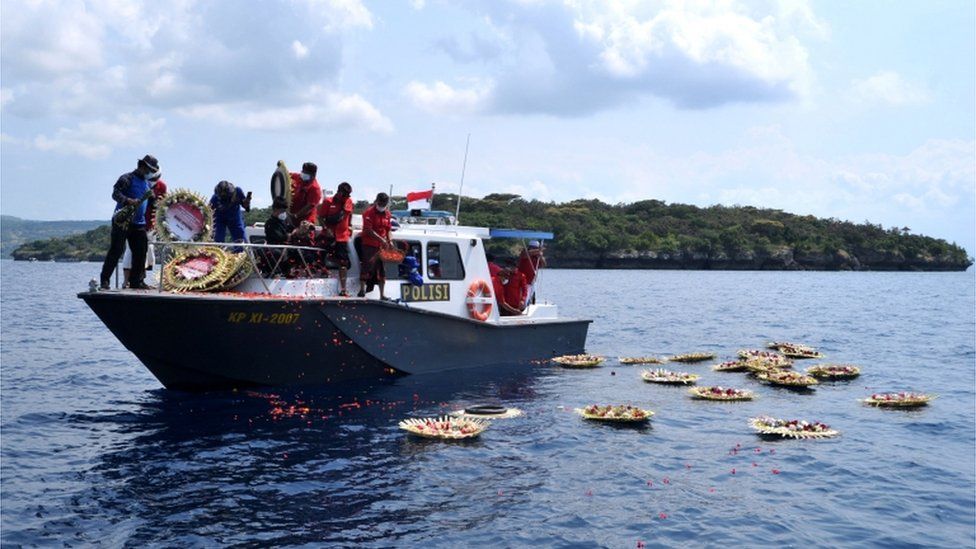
[649,234]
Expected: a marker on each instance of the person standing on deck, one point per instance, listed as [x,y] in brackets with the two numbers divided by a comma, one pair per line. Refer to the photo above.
[335,214]
[530,262]
[159,191]
[305,194]
[130,190]
[375,235]
[226,204]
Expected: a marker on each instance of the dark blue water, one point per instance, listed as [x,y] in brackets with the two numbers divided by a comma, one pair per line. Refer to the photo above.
[93,451]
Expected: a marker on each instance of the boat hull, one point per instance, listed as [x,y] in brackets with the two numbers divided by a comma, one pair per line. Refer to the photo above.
[211,342]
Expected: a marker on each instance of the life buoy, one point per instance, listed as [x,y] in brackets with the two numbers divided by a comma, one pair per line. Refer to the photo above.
[479,300]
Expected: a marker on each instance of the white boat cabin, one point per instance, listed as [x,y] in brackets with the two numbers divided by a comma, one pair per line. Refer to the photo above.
[452,264]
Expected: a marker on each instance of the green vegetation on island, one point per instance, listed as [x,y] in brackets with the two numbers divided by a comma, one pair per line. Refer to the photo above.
[650,234]
[15,231]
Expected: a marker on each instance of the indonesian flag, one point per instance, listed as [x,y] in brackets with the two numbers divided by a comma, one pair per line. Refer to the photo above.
[419,200]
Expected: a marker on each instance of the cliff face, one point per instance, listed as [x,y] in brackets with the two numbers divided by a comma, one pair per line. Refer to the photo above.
[780,259]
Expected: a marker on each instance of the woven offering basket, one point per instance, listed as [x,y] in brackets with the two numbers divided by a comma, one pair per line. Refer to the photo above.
[641,360]
[446,428]
[720,393]
[578,361]
[899,400]
[620,413]
[834,371]
[692,357]
[787,379]
[766,425]
[668,377]
[730,366]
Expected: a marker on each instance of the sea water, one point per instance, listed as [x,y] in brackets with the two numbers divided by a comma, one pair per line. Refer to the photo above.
[93,450]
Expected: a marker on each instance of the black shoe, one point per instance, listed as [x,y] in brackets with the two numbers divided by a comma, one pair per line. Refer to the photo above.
[362,293]
[105,285]
[141,286]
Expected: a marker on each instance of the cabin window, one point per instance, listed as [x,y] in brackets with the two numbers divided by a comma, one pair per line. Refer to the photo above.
[409,247]
[444,261]
[257,239]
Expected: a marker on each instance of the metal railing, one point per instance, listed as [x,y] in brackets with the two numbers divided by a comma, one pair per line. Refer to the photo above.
[272,262]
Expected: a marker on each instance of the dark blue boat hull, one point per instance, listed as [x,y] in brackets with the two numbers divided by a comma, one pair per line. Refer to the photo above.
[198,343]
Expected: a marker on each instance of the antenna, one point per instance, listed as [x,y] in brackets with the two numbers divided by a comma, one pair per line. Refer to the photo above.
[457,213]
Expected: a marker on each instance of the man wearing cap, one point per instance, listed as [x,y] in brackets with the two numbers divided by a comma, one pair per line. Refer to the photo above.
[131,189]
[305,194]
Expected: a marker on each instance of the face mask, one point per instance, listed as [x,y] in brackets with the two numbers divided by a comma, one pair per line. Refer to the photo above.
[283,216]
[381,208]
[306,177]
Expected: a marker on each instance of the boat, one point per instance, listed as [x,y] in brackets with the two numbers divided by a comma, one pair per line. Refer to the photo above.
[270,330]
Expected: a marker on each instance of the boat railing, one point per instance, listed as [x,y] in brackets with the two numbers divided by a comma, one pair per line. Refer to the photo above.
[264,258]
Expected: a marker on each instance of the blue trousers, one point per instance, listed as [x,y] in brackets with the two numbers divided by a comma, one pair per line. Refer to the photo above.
[220,231]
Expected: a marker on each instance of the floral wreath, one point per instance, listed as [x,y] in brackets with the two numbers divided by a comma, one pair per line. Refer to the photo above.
[202,269]
[834,371]
[640,360]
[451,428]
[899,400]
[667,376]
[793,428]
[720,393]
[614,413]
[788,379]
[578,361]
[187,198]
[692,357]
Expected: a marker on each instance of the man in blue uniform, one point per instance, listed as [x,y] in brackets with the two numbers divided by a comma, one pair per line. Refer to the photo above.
[131,189]
[226,204]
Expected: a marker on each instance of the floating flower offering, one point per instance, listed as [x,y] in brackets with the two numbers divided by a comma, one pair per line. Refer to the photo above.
[834,371]
[623,413]
[641,360]
[900,400]
[730,366]
[450,428]
[720,393]
[692,357]
[578,361]
[780,345]
[487,412]
[794,352]
[793,428]
[787,379]
[667,376]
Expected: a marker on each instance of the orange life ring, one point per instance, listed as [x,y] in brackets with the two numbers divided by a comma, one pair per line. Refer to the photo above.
[479,295]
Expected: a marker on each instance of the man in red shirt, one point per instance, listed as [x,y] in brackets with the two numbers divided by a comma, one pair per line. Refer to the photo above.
[335,214]
[305,194]
[516,290]
[375,235]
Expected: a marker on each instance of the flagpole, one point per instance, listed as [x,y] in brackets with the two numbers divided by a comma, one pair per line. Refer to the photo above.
[457,213]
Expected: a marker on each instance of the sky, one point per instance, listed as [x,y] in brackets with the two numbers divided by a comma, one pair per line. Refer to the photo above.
[853,110]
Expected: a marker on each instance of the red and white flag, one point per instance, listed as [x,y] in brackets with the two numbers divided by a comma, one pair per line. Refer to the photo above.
[420,200]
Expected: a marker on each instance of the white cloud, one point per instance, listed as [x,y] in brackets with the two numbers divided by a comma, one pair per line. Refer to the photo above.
[322,110]
[299,49]
[440,97]
[891,88]
[91,58]
[577,57]
[98,138]
[418,4]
